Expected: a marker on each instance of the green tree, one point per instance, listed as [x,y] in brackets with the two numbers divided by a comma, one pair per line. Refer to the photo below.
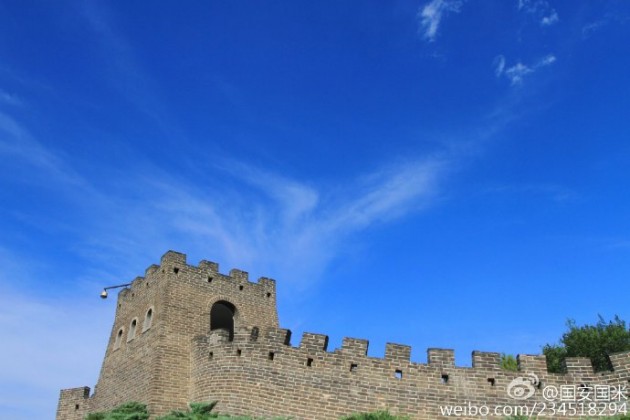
[593,341]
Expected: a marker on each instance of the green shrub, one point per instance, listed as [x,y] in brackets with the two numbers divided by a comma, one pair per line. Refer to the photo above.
[509,362]
[128,411]
[198,411]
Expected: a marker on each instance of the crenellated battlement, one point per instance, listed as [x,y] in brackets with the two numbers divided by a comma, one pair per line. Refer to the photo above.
[187,333]
[486,360]
[177,261]
[397,352]
[173,266]
[441,357]
[356,349]
[621,362]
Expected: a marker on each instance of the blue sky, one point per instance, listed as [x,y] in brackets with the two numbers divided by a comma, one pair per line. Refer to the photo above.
[435,173]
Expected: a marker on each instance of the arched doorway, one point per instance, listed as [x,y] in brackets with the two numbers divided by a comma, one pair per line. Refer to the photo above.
[222,317]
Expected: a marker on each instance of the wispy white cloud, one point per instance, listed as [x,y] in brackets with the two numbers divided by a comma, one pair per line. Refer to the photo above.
[550,19]
[609,18]
[253,217]
[295,199]
[285,227]
[431,14]
[499,65]
[18,143]
[592,27]
[540,10]
[390,193]
[545,61]
[10,99]
[517,72]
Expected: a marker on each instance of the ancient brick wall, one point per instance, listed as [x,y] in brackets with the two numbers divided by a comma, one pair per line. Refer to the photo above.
[176,355]
[267,377]
[73,403]
[130,356]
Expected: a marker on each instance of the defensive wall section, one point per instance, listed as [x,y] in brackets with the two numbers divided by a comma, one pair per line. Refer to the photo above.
[265,376]
[187,333]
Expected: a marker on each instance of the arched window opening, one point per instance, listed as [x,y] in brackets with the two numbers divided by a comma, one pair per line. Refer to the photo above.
[118,339]
[132,330]
[148,320]
[222,317]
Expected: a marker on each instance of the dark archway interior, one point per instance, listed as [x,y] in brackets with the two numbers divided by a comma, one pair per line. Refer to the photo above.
[222,317]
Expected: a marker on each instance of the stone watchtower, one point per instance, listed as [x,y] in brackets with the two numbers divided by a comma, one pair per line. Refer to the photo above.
[149,351]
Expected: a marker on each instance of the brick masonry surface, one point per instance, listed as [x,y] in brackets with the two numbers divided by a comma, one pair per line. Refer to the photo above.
[165,351]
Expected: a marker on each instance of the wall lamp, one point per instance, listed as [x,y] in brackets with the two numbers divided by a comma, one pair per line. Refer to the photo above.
[104,292]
